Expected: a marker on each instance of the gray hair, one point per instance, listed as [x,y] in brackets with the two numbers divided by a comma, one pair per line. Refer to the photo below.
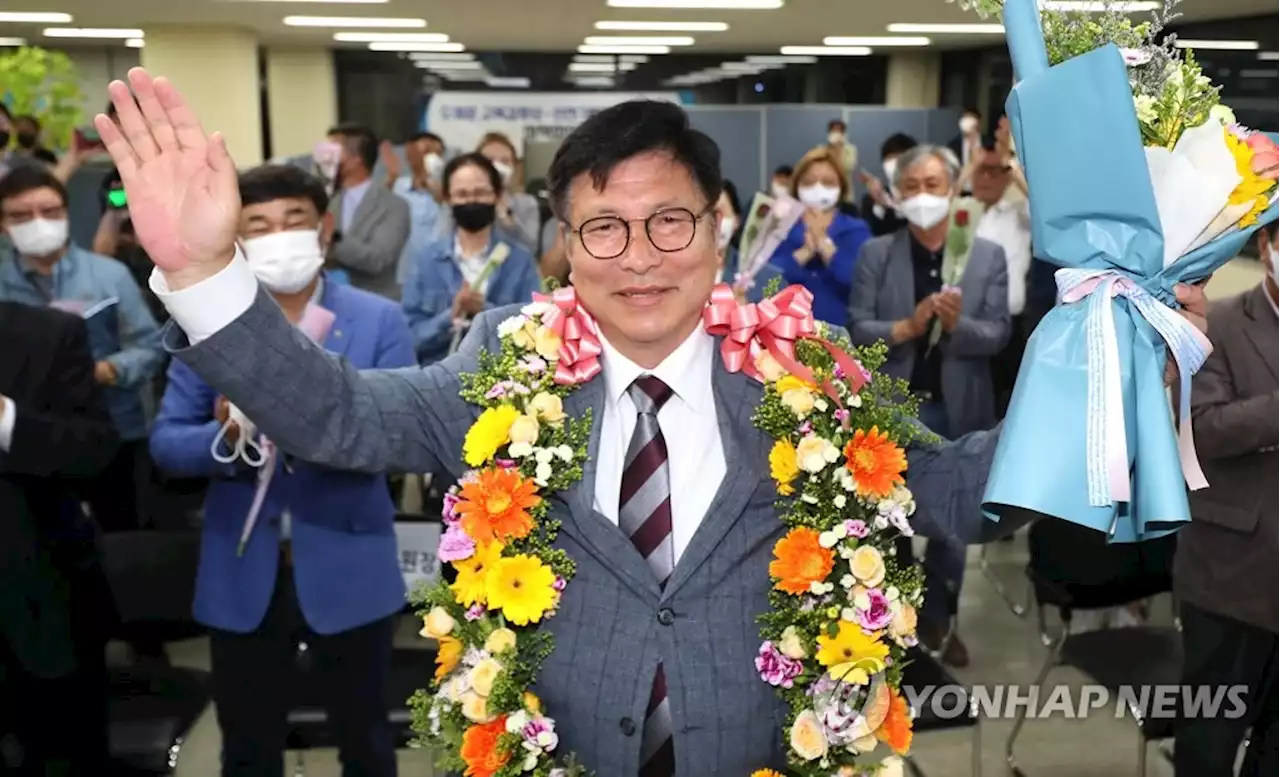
[917,154]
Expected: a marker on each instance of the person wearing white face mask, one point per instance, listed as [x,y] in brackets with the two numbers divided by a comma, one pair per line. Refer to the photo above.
[49,270]
[518,218]
[880,205]
[729,215]
[966,144]
[938,296]
[317,561]
[420,189]
[821,249]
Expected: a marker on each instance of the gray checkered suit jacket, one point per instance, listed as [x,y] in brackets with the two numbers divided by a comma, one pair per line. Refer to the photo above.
[614,625]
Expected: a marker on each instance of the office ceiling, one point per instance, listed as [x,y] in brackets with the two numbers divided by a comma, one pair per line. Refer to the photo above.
[549,25]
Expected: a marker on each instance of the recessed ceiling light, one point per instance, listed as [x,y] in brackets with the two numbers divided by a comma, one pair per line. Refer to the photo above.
[1090,6]
[34,17]
[450,57]
[508,82]
[837,40]
[624,49]
[1269,56]
[403,37]
[778,59]
[1217,45]
[948,29]
[90,32]
[135,43]
[353,21]
[827,51]
[13,41]
[663,26]
[703,4]
[409,46]
[641,40]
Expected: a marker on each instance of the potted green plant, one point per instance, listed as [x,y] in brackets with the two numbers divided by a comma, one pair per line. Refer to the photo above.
[44,84]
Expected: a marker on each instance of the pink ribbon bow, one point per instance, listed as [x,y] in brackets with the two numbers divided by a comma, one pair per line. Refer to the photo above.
[580,348]
[773,326]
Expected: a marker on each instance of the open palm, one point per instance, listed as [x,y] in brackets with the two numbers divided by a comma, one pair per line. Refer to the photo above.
[184,200]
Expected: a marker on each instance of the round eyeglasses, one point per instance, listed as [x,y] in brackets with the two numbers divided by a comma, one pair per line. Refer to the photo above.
[671,229]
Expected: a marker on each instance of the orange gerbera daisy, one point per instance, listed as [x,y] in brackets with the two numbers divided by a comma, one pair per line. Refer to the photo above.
[766,773]
[480,748]
[448,654]
[895,731]
[876,463]
[495,506]
[799,560]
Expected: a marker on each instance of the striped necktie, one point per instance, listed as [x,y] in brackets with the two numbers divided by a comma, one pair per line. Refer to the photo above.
[644,514]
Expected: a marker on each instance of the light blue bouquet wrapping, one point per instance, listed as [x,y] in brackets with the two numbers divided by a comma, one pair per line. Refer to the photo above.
[1089,436]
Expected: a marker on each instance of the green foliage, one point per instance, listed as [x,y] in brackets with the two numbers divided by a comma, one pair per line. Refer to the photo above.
[44,84]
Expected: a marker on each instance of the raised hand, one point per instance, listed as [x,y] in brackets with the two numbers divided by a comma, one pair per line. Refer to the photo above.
[184,199]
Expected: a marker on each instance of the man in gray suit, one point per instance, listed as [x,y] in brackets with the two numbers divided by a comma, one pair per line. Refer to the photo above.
[624,635]
[901,295]
[372,222]
[1225,567]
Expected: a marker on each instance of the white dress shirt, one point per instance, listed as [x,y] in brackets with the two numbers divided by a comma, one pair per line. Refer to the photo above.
[1008,225]
[471,265]
[351,199]
[8,414]
[695,454]
[688,420]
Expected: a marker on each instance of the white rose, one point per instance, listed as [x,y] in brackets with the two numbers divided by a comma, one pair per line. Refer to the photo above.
[511,326]
[815,453]
[790,644]
[808,738]
[548,407]
[437,624]
[524,429]
[799,401]
[475,708]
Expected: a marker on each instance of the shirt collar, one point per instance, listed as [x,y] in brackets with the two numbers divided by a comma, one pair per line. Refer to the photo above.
[687,370]
[359,189]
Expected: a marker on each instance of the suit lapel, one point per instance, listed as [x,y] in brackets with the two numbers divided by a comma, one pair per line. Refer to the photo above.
[592,529]
[341,333]
[745,456]
[898,278]
[365,211]
[1261,328]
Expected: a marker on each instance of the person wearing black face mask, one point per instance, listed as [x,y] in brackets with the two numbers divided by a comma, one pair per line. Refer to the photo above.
[469,270]
[27,130]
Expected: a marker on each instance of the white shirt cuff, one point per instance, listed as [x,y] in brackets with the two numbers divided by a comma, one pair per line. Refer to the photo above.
[210,305]
[878,209]
[8,415]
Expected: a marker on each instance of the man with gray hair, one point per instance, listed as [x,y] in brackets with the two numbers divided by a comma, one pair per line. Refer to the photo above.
[939,297]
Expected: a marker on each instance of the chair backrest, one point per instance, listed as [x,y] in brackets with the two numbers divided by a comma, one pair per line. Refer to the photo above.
[1075,568]
[152,575]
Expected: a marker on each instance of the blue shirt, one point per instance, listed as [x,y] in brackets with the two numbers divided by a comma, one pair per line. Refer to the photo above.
[831,282]
[424,222]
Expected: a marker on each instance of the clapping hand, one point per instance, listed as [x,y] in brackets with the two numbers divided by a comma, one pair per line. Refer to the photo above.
[468,302]
[184,199]
[948,304]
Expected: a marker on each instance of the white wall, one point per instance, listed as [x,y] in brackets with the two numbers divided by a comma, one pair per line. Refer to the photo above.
[97,66]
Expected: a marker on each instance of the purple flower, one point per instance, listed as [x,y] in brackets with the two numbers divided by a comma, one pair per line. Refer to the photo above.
[877,614]
[856,528]
[449,512]
[866,373]
[559,584]
[842,415]
[455,545]
[775,668]
[541,733]
[533,365]
[838,372]
[806,427]
[499,390]
[505,463]
[475,612]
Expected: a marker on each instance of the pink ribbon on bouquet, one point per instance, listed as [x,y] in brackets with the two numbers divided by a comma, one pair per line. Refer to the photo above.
[773,326]
[580,347]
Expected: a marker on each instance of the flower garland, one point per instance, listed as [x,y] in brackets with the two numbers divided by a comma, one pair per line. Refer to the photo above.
[843,609]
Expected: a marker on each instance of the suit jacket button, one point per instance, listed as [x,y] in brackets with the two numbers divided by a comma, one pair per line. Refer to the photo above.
[666,617]
[628,727]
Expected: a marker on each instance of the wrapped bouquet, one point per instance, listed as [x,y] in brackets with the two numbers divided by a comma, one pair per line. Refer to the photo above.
[769,221]
[1139,180]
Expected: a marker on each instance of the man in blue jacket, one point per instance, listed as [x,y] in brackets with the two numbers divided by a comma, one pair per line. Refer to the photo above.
[315,562]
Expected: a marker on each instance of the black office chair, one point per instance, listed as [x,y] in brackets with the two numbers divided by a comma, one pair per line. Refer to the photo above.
[152,706]
[1074,569]
[924,671]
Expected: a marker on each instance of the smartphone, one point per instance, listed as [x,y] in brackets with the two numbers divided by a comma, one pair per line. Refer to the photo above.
[116,198]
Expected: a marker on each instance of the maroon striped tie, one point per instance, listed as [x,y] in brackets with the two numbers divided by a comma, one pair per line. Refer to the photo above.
[644,514]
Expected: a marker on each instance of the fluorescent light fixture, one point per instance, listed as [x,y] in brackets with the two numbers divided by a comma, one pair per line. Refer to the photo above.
[508,82]
[948,29]
[13,42]
[428,56]
[395,37]
[662,26]
[633,58]
[591,67]
[447,65]
[91,32]
[778,59]
[622,40]
[1088,6]
[837,40]
[408,46]
[34,17]
[746,5]
[135,43]
[826,51]
[600,82]
[742,67]
[1269,56]
[1217,45]
[353,21]
[624,49]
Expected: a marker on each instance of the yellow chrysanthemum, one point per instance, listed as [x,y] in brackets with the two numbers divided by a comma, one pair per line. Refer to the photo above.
[490,432]
[1252,188]
[852,655]
[522,587]
[792,383]
[783,466]
[473,571]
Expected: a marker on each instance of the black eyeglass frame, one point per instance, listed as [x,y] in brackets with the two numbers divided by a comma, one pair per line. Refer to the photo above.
[626,223]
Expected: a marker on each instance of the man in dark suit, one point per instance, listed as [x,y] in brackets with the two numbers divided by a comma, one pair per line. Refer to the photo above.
[54,430]
[1225,568]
